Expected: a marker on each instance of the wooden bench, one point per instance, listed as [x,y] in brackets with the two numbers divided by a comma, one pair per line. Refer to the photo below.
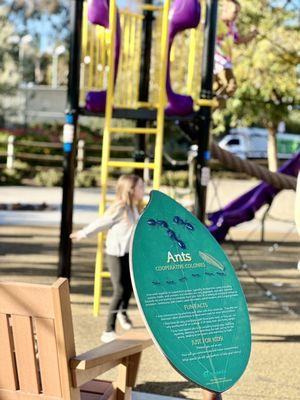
[37,350]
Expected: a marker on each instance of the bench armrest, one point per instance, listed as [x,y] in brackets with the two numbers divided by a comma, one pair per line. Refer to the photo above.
[94,362]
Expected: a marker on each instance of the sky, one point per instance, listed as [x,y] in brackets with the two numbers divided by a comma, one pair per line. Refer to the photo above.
[44,31]
[48,41]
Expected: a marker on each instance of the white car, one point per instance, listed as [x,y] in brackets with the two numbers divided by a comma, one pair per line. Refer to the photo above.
[253,143]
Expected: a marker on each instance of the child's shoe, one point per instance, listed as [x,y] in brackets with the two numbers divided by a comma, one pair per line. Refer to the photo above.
[107,337]
[124,321]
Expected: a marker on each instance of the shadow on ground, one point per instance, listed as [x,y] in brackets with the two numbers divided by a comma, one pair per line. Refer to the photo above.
[175,389]
[270,279]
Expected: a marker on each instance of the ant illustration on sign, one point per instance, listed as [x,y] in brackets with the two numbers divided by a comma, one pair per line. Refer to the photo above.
[156,283]
[180,221]
[172,235]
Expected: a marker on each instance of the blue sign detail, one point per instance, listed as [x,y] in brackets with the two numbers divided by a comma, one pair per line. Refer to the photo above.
[69,119]
[207,155]
[67,147]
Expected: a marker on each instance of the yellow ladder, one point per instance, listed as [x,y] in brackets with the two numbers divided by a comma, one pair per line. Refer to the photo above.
[109,130]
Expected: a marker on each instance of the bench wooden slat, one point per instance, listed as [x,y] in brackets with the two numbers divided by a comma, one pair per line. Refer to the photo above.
[89,396]
[7,363]
[64,336]
[18,395]
[25,354]
[95,389]
[96,386]
[20,300]
[47,350]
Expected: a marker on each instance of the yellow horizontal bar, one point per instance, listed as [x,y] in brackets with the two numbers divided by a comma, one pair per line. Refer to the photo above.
[150,7]
[207,102]
[145,104]
[133,130]
[105,274]
[130,164]
[131,14]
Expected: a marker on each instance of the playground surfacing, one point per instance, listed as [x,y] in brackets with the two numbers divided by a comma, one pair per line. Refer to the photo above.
[270,281]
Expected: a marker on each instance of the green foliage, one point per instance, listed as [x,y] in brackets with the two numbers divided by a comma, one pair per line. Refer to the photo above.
[9,75]
[266,68]
[15,175]
[293,122]
[4,135]
[19,18]
[50,177]
[24,12]
[88,178]
[177,179]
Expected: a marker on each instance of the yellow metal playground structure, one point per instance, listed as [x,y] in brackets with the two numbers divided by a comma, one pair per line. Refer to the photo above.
[185,58]
[97,73]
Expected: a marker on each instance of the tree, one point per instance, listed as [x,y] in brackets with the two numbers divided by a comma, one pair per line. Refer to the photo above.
[47,21]
[34,14]
[266,69]
[9,75]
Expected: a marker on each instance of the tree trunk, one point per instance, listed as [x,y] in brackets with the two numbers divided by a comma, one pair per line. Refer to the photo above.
[38,76]
[272,149]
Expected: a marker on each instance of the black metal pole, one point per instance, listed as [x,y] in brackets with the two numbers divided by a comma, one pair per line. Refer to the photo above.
[204,115]
[69,140]
[144,80]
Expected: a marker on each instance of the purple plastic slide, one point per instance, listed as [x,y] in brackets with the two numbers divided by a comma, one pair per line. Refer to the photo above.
[98,14]
[244,207]
[184,14]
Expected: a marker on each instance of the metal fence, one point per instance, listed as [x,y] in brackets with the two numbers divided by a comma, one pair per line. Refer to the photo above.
[49,154]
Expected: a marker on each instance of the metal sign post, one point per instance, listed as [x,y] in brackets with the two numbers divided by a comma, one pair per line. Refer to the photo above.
[204,116]
[69,141]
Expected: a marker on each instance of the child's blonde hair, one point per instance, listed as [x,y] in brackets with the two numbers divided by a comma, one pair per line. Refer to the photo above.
[125,190]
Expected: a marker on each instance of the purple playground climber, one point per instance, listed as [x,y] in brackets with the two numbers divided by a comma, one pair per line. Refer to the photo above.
[98,14]
[184,14]
[244,207]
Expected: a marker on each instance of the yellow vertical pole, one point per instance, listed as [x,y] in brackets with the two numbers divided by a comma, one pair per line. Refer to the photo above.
[84,49]
[105,151]
[155,78]
[191,62]
[132,60]
[127,55]
[162,96]
[98,51]
[91,55]
[102,57]
[137,57]
[195,88]
[84,30]
[121,74]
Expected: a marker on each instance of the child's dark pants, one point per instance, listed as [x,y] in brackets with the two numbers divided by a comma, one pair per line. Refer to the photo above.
[122,288]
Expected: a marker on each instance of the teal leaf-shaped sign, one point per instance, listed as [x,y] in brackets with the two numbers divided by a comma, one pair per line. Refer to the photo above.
[189,295]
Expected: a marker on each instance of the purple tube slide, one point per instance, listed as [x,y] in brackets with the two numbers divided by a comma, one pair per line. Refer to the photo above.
[98,14]
[244,207]
[184,14]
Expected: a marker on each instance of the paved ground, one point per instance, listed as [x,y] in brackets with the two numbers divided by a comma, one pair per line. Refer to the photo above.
[269,277]
[220,192]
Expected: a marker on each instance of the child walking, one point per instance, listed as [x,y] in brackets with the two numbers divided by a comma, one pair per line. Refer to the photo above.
[119,221]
